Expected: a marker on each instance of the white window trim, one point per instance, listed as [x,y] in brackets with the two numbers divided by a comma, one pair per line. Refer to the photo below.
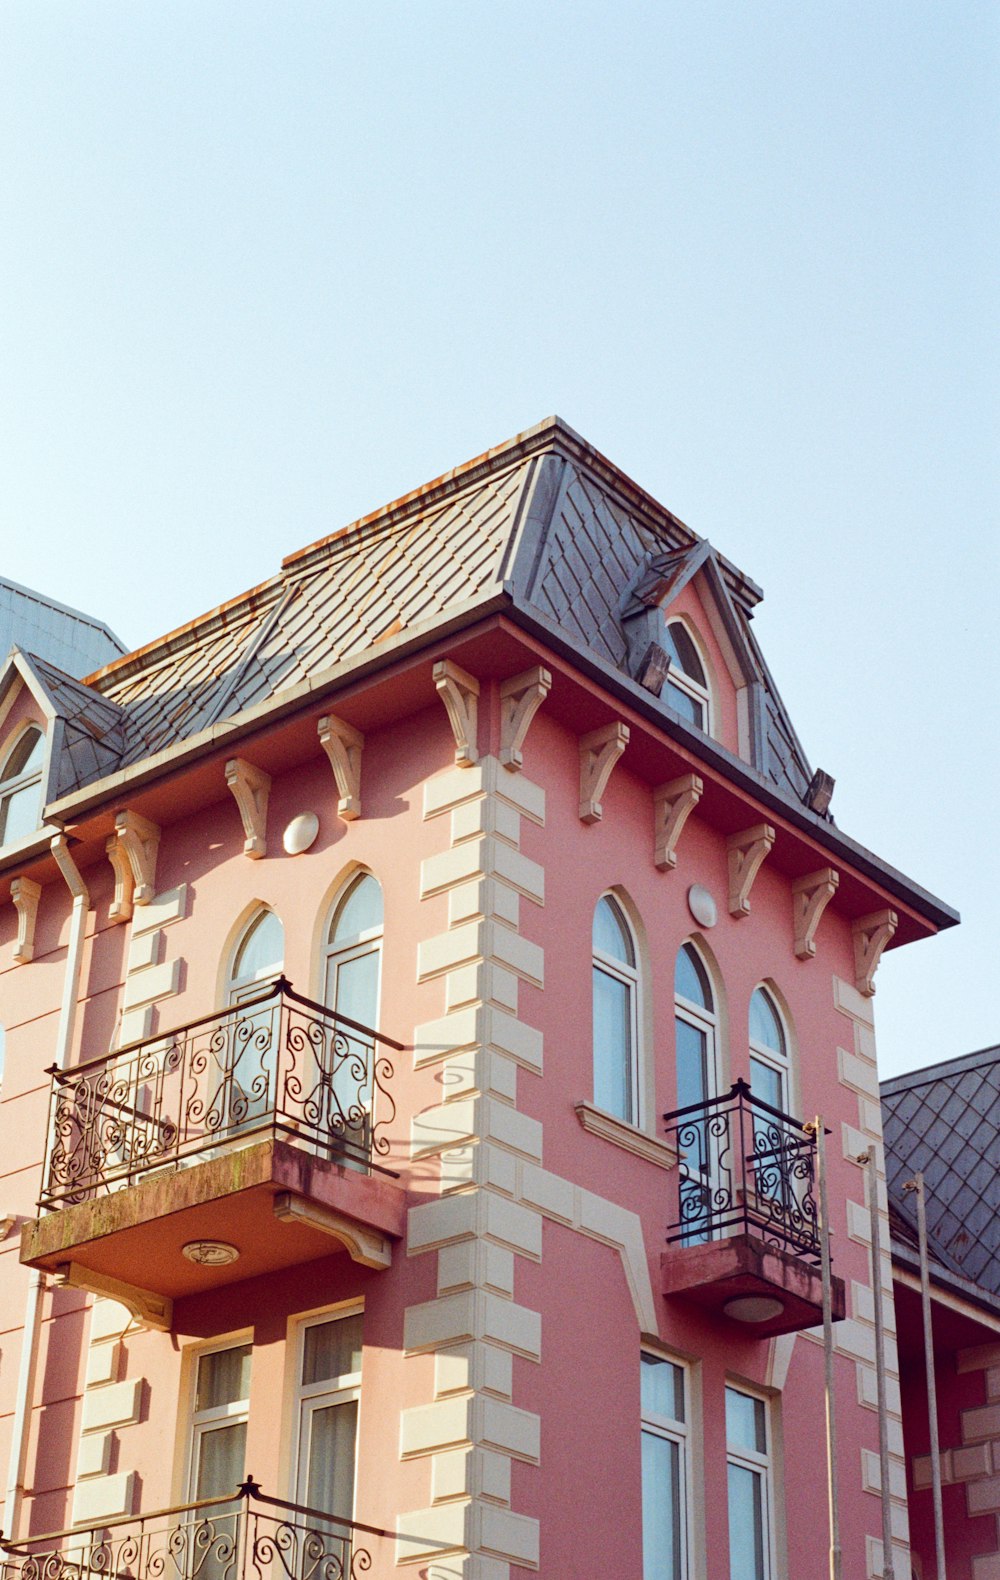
[781,1064]
[24,781]
[678,1432]
[761,1464]
[705,1021]
[684,682]
[629,975]
[339,1390]
[248,985]
[197,1420]
[339,951]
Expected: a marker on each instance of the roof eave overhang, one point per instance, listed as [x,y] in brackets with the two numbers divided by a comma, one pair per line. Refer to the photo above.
[906,1262]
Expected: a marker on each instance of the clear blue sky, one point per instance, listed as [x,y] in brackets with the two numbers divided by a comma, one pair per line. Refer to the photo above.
[264,266]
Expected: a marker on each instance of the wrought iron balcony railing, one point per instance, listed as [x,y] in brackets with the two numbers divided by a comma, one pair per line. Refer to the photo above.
[210,1540]
[276,1065]
[745,1167]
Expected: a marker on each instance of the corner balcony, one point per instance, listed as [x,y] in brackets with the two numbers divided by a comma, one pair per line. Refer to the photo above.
[210,1540]
[745,1244]
[242,1143]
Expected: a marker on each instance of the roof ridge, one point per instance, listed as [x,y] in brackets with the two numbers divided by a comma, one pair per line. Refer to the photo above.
[929,1073]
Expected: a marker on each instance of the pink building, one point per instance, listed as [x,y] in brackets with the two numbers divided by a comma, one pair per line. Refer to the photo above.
[419,975]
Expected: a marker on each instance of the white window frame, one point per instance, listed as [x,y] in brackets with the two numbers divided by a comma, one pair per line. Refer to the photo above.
[249,985]
[9,788]
[678,1432]
[760,1465]
[200,1422]
[703,1020]
[312,1396]
[686,683]
[781,1064]
[628,975]
[339,952]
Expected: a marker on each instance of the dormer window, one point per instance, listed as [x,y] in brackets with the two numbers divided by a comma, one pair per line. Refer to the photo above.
[687,683]
[21,786]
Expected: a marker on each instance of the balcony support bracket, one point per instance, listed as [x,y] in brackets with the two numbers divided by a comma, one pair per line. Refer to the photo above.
[363,1245]
[149,1310]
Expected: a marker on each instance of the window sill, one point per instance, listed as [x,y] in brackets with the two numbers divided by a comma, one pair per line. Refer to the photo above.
[621,1134]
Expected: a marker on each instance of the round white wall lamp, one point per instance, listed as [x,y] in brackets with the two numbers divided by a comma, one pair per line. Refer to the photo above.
[211,1253]
[300,833]
[702,906]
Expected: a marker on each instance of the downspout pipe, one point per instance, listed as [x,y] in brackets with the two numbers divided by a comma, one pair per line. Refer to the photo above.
[17,1463]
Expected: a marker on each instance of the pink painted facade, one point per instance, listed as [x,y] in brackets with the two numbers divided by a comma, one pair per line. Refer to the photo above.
[507,1254]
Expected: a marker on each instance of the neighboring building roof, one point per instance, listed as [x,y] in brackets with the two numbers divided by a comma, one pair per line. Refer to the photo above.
[64,636]
[944,1121]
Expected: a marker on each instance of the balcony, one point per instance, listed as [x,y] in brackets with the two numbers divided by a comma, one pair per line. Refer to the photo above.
[210,1540]
[745,1244]
[241,1143]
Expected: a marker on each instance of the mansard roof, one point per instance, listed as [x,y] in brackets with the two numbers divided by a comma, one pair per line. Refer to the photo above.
[543,525]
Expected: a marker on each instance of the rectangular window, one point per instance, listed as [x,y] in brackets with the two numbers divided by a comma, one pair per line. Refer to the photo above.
[748,1456]
[664,1469]
[329,1386]
[219,1421]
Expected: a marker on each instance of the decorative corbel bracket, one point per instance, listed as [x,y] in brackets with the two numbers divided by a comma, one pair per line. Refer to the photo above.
[251,787]
[871,934]
[520,699]
[132,852]
[673,804]
[25,894]
[363,1245]
[599,751]
[460,695]
[148,1310]
[746,852]
[343,745]
[810,897]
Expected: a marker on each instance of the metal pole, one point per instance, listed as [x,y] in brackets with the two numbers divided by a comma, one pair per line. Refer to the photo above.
[868,1158]
[917,1184]
[831,1424]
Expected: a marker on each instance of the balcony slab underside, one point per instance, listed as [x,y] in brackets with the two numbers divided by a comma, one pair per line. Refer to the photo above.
[743,1267]
[278,1204]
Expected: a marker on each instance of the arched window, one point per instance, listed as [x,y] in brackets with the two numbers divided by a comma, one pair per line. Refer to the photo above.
[354,952]
[696,1025]
[768,1052]
[258,958]
[21,786]
[616,984]
[687,683]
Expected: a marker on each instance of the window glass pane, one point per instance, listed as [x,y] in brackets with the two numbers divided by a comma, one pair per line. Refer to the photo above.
[223,1378]
[662,1388]
[330,1458]
[359,912]
[612,1045]
[26,756]
[611,936]
[20,811]
[745,1421]
[662,1554]
[766,1083]
[221,1452]
[746,1524]
[692,1064]
[683,652]
[687,706]
[263,948]
[331,1349]
[765,1027]
[354,987]
[691,979]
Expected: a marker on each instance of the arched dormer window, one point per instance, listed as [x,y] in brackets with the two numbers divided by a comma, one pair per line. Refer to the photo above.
[687,689]
[258,958]
[769,1070]
[616,1028]
[21,786]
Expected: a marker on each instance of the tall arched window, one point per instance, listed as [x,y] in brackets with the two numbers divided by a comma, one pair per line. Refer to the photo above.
[687,683]
[696,1025]
[353,956]
[21,786]
[258,958]
[768,1052]
[616,1031]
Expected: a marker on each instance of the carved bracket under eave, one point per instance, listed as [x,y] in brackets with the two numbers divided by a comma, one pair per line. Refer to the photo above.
[362,1244]
[520,699]
[25,894]
[673,804]
[132,851]
[460,695]
[149,1309]
[343,745]
[251,787]
[810,897]
[871,935]
[599,751]
[746,852]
